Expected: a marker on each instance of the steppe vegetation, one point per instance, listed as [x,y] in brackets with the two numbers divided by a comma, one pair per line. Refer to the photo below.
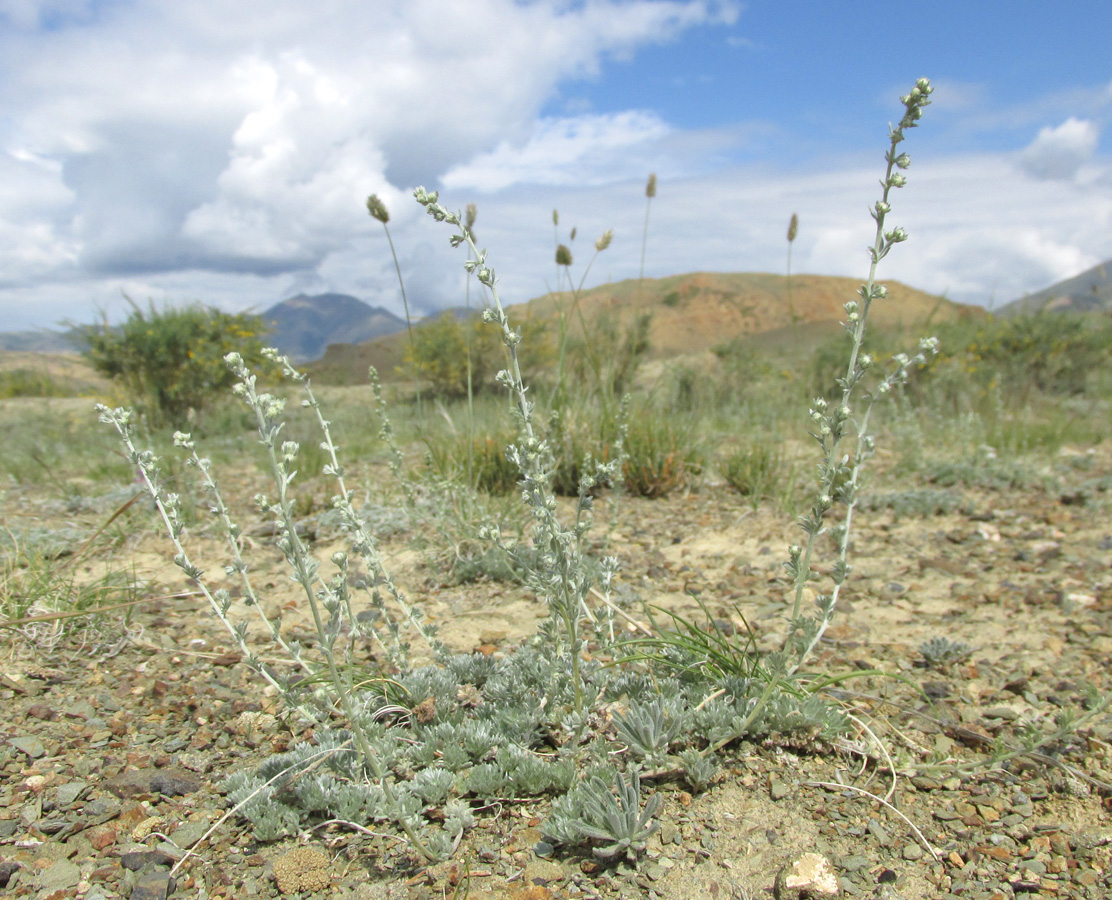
[631,702]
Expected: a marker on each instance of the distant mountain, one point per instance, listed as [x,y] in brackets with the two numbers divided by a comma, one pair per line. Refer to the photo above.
[42,341]
[1089,291]
[303,327]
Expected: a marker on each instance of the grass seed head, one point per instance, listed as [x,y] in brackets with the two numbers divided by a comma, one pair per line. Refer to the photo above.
[377,209]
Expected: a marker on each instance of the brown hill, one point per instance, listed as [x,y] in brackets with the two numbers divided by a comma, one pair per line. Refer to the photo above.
[690,314]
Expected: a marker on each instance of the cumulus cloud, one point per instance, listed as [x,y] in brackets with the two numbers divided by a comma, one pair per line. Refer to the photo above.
[242,138]
[1057,153]
[203,150]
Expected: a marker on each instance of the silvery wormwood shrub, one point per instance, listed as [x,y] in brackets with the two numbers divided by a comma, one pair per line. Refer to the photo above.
[433,736]
[845,420]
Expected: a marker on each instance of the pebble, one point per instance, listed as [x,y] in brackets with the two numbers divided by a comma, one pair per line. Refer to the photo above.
[61,875]
[778,789]
[29,744]
[188,833]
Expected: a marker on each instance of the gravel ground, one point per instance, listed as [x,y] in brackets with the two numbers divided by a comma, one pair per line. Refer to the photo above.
[113,746]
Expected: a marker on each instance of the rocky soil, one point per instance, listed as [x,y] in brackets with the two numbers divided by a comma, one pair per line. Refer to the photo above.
[115,739]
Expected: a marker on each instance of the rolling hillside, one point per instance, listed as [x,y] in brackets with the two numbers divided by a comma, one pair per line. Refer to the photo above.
[690,314]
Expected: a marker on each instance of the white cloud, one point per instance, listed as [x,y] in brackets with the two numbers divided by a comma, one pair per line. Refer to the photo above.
[198,149]
[1058,153]
[242,138]
[584,150]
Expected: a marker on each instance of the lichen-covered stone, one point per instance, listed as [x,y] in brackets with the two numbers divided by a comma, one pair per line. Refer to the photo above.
[303,869]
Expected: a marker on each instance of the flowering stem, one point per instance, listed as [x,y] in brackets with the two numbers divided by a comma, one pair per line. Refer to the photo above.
[832,424]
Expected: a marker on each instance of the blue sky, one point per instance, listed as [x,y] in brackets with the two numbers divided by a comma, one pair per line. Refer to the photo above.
[198,150]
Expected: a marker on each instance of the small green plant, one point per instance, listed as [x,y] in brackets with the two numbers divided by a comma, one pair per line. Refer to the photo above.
[491,471]
[170,362]
[649,729]
[44,597]
[941,651]
[615,825]
[758,471]
[662,455]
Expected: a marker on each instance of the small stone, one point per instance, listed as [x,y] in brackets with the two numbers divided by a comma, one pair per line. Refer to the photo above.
[102,837]
[542,871]
[1090,840]
[152,886]
[879,833]
[1086,877]
[135,860]
[810,877]
[912,852]
[171,782]
[174,783]
[28,744]
[189,833]
[1060,844]
[61,875]
[68,793]
[778,789]
[7,869]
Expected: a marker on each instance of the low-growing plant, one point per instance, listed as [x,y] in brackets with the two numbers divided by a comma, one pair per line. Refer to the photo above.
[44,596]
[615,824]
[941,651]
[662,455]
[428,731]
[491,471]
[759,471]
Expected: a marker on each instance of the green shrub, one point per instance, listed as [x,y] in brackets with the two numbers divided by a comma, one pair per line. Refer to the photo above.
[170,362]
[1053,353]
[662,455]
[438,354]
[26,383]
[757,471]
[491,471]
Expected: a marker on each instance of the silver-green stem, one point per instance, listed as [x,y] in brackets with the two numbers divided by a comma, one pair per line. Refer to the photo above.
[408,319]
[832,425]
